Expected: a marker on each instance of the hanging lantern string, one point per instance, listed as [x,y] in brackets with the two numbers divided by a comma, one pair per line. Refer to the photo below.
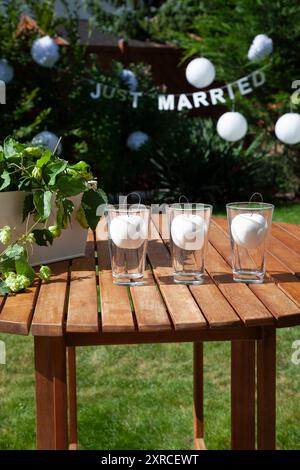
[232,104]
[254,196]
[57,145]
[124,199]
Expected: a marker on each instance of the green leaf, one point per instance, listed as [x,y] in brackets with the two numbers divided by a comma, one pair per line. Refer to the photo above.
[12,148]
[4,180]
[32,151]
[3,288]
[81,218]
[64,211]
[90,202]
[42,203]
[28,206]
[70,185]
[43,237]
[9,258]
[52,170]
[14,251]
[24,268]
[80,166]
[44,159]
[7,264]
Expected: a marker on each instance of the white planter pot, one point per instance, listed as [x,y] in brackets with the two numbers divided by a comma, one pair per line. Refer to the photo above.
[71,243]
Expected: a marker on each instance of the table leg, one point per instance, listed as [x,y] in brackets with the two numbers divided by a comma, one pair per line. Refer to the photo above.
[51,393]
[198,397]
[72,397]
[266,390]
[243,395]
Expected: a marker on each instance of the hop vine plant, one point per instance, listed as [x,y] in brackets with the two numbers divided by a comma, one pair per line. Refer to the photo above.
[49,183]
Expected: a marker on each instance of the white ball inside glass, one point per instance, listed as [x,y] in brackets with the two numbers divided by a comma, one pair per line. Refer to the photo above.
[128,231]
[188,231]
[287,128]
[45,51]
[200,72]
[137,140]
[249,230]
[6,71]
[48,140]
[232,126]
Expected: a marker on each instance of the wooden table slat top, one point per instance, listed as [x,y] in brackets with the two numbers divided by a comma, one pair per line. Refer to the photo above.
[81,298]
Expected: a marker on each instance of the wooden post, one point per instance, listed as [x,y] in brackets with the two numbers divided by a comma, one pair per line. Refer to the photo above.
[266,390]
[51,393]
[198,397]
[72,397]
[243,395]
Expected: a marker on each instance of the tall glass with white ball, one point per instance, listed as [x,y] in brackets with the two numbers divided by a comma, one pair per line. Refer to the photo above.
[128,228]
[249,225]
[189,224]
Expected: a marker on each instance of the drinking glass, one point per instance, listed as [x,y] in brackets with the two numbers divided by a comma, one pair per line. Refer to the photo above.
[188,226]
[128,228]
[249,225]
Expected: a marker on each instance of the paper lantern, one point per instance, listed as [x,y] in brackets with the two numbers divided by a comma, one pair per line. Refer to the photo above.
[48,140]
[232,126]
[200,72]
[249,230]
[6,71]
[260,48]
[45,51]
[128,231]
[287,128]
[188,231]
[137,140]
[129,79]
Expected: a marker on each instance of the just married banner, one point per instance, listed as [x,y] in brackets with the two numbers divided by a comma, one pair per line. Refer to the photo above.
[185,101]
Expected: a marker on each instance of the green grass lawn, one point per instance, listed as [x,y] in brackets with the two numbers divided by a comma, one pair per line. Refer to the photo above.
[140,397]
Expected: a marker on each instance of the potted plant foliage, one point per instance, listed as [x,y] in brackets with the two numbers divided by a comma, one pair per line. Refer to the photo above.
[46,208]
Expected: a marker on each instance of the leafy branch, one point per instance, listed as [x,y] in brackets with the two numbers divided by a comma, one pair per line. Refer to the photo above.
[49,183]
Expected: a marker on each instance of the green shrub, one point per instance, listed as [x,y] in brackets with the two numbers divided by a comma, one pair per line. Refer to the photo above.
[196,163]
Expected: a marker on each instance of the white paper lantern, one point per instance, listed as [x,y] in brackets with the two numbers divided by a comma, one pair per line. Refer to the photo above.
[137,140]
[232,126]
[128,231]
[45,51]
[287,128]
[200,72]
[129,79]
[249,230]
[48,140]
[260,48]
[188,231]
[6,71]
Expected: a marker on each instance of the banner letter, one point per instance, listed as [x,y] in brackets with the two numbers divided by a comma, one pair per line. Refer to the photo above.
[183,102]
[97,93]
[166,102]
[135,98]
[200,98]
[258,78]
[244,86]
[217,96]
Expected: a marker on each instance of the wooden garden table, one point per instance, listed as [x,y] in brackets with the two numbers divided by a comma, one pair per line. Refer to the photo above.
[66,313]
